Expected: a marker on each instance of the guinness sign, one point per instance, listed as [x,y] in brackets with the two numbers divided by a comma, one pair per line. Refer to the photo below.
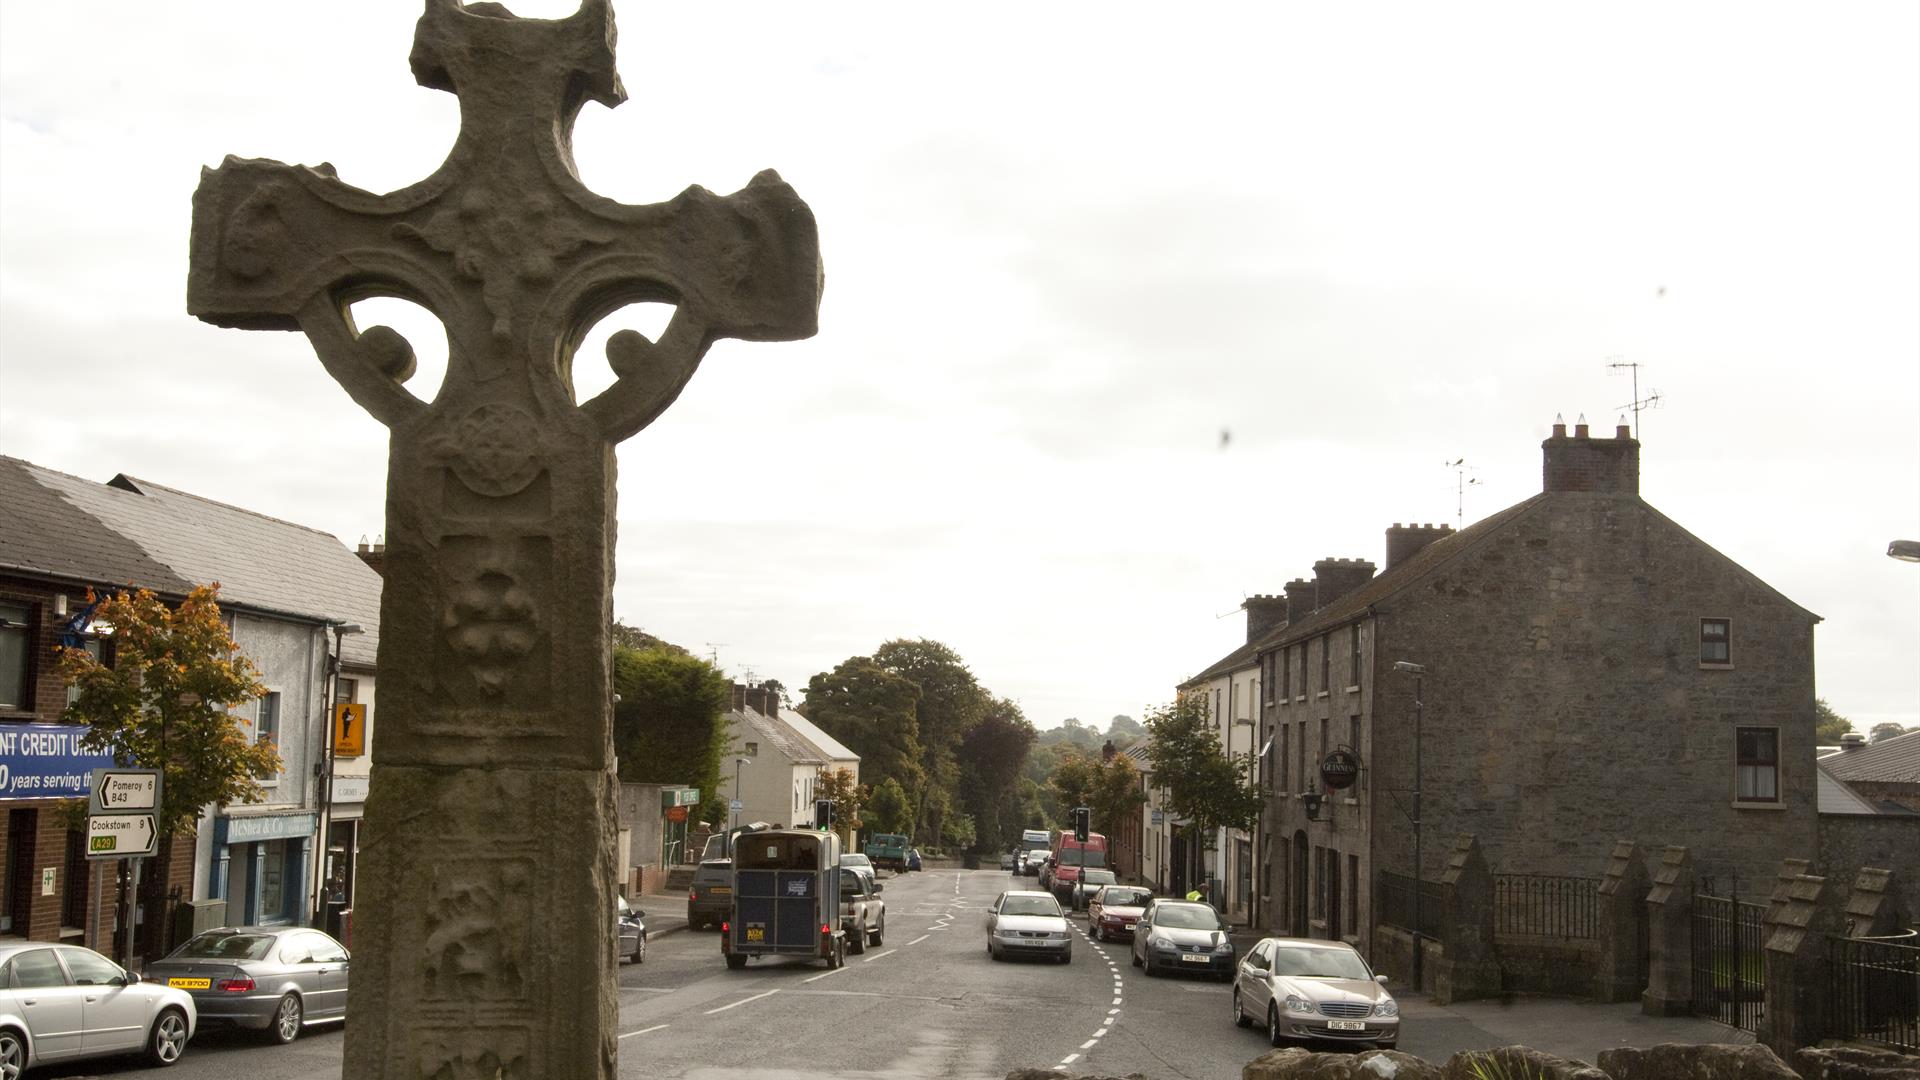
[1339,769]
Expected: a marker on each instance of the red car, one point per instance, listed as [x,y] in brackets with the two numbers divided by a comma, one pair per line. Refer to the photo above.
[1114,910]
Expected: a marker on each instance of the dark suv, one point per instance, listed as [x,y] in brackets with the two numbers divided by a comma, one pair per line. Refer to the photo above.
[710,896]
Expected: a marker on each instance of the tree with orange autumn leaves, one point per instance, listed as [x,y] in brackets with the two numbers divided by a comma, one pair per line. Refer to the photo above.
[165,702]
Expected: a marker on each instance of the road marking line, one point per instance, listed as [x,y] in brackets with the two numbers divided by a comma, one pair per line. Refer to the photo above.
[871,959]
[1113,1012]
[1088,1045]
[1100,1034]
[743,1001]
[642,1031]
[1069,1059]
[1116,1001]
[822,975]
[919,939]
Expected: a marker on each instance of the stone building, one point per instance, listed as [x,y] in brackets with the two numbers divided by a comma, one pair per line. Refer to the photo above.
[1230,689]
[287,592]
[1592,672]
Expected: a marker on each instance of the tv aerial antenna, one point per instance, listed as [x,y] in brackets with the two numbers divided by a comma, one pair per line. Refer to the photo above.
[1461,482]
[1638,404]
[713,652]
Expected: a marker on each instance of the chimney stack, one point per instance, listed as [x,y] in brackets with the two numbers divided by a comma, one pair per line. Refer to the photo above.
[1586,464]
[1852,740]
[1264,612]
[1406,541]
[1299,599]
[1334,578]
[374,555]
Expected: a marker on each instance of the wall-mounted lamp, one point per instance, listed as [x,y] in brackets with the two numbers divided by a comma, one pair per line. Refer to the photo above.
[1311,800]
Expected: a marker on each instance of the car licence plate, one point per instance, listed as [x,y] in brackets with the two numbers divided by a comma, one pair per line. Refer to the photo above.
[756,933]
[720,889]
[1194,958]
[1345,1025]
[191,984]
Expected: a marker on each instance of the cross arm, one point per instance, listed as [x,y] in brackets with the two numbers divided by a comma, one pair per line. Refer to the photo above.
[747,266]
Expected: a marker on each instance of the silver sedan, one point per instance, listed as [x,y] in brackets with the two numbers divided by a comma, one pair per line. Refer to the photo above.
[63,1003]
[273,978]
[1026,923]
[1309,989]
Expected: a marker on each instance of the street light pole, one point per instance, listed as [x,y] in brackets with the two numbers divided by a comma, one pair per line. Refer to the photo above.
[1418,671]
[323,770]
[737,762]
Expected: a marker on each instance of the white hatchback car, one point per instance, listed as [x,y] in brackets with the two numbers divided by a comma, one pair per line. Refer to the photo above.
[63,1003]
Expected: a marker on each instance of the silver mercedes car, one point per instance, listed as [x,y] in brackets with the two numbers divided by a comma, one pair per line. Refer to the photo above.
[1303,989]
[273,978]
[64,1003]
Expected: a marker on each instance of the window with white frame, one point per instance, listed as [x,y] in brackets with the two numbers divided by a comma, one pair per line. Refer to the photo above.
[1716,646]
[1757,762]
[266,727]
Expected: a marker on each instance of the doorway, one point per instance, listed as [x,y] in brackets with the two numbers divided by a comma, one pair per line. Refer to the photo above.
[1300,868]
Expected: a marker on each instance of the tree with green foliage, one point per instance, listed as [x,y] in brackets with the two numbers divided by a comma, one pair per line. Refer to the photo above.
[167,701]
[871,711]
[888,809]
[848,796]
[1828,725]
[990,759]
[958,832]
[1109,789]
[1123,729]
[950,703]
[1205,786]
[1887,730]
[668,725]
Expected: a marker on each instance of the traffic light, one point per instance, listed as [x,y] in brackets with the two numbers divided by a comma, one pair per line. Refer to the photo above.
[823,814]
[1081,818]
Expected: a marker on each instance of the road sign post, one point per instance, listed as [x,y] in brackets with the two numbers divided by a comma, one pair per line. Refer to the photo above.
[122,813]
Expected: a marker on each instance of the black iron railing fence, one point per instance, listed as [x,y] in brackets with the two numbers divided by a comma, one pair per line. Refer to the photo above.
[1874,987]
[1545,905]
[1729,983]
[1394,904]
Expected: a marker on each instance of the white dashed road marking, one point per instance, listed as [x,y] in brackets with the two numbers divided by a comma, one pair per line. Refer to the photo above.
[877,956]
[743,1001]
[822,975]
[642,1031]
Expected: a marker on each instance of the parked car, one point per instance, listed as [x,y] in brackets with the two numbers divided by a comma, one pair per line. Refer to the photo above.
[859,863]
[888,850]
[1113,911]
[1088,883]
[64,1003]
[1022,922]
[1307,989]
[1032,861]
[863,915]
[710,895]
[275,979]
[1010,860]
[629,931]
[913,859]
[1185,936]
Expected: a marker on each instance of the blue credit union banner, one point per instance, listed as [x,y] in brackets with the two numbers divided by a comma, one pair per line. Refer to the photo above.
[46,761]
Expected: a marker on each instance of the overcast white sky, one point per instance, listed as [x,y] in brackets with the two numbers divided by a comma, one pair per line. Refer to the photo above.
[1066,246]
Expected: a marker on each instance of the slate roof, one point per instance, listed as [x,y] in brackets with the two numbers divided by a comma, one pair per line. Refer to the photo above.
[754,725]
[1245,656]
[1889,761]
[43,534]
[262,563]
[1832,796]
[828,746]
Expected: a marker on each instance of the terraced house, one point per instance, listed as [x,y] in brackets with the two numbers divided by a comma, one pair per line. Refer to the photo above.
[1590,671]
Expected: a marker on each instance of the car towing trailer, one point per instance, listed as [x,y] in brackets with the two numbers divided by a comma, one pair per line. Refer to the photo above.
[786,898]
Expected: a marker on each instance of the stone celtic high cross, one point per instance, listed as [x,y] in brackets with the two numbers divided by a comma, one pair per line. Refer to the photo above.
[484,909]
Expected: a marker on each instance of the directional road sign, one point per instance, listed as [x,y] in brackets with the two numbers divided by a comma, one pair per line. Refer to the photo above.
[121,791]
[120,836]
[121,809]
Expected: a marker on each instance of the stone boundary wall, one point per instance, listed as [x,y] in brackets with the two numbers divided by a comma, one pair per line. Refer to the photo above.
[1851,841]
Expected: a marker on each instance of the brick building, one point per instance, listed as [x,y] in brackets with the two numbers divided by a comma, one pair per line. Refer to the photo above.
[286,591]
[1592,672]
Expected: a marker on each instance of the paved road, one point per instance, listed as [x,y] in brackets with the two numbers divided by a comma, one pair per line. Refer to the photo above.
[927,1005]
